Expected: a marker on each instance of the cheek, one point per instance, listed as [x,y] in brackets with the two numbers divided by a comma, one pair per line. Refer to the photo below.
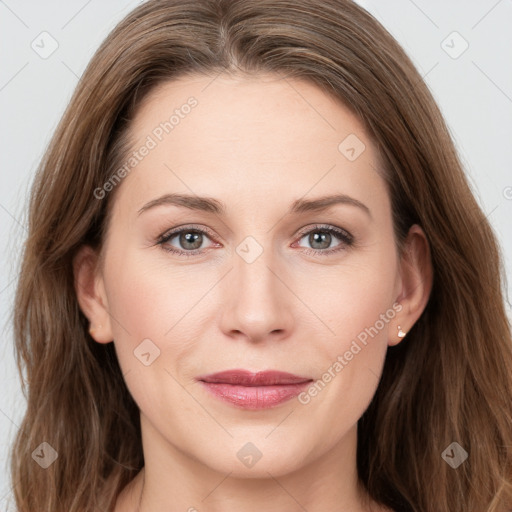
[139,307]
[359,336]
[151,327]
[144,306]
[349,373]
[358,306]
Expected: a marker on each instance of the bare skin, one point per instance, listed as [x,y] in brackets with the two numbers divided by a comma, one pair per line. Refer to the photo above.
[257,145]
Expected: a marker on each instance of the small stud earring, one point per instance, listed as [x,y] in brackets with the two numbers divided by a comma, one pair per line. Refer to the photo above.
[92,330]
[401,333]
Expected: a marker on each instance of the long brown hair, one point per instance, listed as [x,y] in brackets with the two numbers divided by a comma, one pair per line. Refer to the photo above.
[449,381]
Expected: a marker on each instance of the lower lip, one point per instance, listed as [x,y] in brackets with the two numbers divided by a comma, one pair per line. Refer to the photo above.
[255,397]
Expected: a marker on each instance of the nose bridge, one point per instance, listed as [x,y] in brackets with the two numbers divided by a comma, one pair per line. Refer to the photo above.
[252,265]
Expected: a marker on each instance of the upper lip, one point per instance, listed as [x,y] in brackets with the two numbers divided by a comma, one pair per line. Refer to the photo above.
[247,378]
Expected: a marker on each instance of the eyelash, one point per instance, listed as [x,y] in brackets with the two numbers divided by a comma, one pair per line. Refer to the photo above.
[344,236]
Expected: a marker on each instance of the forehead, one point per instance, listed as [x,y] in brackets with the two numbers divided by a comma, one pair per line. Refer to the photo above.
[236,108]
[253,135]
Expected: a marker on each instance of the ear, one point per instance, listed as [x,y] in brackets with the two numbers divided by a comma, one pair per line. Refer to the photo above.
[90,292]
[415,282]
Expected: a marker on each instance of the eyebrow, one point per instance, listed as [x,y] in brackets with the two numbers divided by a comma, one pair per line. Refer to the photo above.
[211,205]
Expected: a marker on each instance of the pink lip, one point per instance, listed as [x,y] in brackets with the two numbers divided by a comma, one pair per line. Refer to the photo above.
[249,390]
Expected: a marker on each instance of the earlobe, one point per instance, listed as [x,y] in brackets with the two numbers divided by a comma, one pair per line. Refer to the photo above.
[91,296]
[416,275]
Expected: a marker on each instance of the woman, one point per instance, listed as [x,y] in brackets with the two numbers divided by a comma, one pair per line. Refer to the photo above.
[183,348]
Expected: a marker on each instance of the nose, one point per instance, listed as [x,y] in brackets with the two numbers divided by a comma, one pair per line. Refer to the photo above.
[259,304]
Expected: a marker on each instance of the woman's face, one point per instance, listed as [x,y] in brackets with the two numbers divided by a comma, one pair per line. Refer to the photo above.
[256,281]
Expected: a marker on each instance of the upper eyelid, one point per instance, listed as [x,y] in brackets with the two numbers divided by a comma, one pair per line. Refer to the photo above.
[326,227]
[186,227]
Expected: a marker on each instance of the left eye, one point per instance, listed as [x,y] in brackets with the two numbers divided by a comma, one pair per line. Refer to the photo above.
[189,239]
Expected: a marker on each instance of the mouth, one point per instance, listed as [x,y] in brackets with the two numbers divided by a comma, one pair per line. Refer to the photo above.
[248,390]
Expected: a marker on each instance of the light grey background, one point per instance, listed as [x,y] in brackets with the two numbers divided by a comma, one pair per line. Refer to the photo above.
[473,89]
